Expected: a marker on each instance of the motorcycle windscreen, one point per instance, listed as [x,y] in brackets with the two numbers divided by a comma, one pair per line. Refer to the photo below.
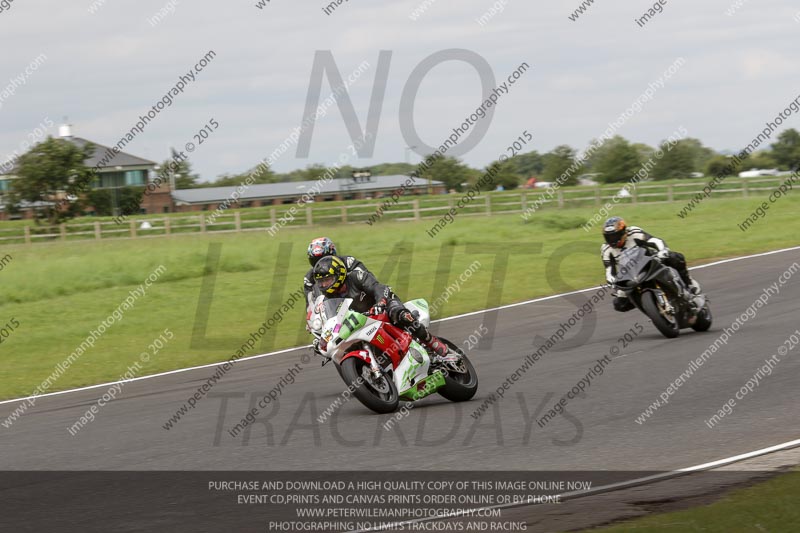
[631,262]
[332,307]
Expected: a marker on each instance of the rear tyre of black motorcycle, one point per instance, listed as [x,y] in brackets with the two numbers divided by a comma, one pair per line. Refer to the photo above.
[459,387]
[669,329]
[704,319]
[381,403]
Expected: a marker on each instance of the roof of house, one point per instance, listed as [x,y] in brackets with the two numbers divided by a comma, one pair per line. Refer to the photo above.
[121,159]
[294,189]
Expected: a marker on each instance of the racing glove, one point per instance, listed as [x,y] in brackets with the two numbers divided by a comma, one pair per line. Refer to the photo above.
[610,278]
[379,308]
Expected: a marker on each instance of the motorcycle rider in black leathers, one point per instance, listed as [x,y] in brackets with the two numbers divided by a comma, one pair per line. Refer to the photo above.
[322,247]
[619,236]
[333,280]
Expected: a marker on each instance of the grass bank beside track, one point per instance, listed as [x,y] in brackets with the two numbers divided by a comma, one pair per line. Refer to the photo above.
[768,506]
[60,292]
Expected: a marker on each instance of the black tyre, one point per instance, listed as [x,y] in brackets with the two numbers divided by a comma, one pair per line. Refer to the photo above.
[704,319]
[461,380]
[380,396]
[668,328]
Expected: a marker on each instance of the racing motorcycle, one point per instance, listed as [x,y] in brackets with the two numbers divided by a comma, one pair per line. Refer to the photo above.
[656,290]
[382,364]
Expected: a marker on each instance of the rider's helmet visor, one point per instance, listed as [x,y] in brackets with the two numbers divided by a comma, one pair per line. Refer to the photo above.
[615,238]
[326,282]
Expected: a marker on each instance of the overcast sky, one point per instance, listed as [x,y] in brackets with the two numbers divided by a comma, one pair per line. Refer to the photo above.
[105,69]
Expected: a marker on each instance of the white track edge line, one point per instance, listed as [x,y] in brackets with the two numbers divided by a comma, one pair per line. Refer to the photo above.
[622,484]
[269,354]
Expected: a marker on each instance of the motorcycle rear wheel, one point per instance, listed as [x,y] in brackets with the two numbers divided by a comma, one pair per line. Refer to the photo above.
[670,329]
[356,374]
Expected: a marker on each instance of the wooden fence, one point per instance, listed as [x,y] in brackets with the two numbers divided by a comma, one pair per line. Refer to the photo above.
[362,211]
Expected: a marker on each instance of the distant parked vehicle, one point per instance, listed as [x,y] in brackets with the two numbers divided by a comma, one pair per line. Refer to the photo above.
[757,173]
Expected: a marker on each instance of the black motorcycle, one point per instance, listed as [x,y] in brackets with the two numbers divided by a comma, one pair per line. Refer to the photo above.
[656,290]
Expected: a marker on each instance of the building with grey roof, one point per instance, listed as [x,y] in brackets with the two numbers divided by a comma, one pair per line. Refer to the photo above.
[361,187]
[113,170]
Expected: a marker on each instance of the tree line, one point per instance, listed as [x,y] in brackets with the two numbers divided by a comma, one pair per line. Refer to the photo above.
[615,161]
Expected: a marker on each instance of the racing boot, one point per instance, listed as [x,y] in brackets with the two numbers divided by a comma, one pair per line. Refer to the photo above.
[684,290]
[696,292]
[438,350]
[436,347]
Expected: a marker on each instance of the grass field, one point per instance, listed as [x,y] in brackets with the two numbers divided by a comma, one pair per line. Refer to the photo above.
[59,292]
[769,506]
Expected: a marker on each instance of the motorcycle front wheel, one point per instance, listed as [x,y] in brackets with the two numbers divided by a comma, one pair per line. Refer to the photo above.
[668,327]
[379,395]
[460,380]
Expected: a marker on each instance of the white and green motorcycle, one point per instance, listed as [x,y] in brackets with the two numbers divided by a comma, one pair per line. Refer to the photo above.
[382,364]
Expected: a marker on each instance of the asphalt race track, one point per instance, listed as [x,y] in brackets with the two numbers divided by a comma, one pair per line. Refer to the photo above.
[599,431]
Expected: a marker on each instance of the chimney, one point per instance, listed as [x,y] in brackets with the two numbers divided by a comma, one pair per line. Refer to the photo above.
[65,130]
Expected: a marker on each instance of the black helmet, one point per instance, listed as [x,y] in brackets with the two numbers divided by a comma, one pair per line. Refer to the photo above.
[319,248]
[615,232]
[329,274]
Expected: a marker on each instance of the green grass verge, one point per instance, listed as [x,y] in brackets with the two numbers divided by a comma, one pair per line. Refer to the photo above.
[60,292]
[769,506]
